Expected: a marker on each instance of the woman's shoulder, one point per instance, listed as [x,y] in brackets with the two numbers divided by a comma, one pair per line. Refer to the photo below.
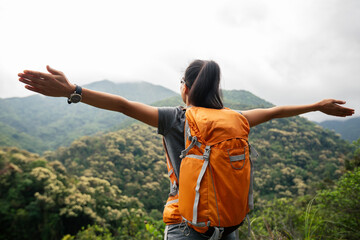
[172,111]
[169,117]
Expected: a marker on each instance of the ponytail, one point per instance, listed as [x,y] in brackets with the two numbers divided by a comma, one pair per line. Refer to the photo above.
[203,80]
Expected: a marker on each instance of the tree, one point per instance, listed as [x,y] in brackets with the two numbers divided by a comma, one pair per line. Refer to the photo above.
[340,208]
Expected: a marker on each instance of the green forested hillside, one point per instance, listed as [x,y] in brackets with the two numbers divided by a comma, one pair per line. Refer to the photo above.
[117,184]
[296,157]
[132,159]
[10,136]
[243,100]
[41,200]
[37,123]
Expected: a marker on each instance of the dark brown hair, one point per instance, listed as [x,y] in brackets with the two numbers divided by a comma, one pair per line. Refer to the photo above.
[203,80]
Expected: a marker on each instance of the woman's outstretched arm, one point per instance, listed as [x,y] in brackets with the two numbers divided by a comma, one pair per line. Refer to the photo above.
[55,84]
[327,106]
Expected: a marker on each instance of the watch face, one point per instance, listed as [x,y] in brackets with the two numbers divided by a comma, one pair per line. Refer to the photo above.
[75,98]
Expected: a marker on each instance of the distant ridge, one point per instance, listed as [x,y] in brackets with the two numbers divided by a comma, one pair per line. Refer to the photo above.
[348,129]
[133,90]
[244,97]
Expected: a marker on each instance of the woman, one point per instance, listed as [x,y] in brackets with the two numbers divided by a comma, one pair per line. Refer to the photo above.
[199,87]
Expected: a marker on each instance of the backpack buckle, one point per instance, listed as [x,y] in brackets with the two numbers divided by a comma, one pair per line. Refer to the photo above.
[192,144]
[207,153]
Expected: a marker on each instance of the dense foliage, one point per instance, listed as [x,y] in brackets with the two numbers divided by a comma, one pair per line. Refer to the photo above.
[49,200]
[331,213]
[296,157]
[132,159]
[41,200]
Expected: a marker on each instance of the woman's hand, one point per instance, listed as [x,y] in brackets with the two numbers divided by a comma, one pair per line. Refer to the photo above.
[53,84]
[332,107]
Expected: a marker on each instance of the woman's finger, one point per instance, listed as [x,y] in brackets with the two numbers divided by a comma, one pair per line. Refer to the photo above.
[38,74]
[345,111]
[348,111]
[26,81]
[34,89]
[53,71]
[38,80]
[339,101]
[31,83]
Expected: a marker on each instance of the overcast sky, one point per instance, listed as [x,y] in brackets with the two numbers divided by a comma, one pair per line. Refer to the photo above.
[286,52]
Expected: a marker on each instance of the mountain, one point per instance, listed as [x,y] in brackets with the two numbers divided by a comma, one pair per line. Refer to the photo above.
[234,99]
[136,91]
[242,99]
[348,129]
[38,123]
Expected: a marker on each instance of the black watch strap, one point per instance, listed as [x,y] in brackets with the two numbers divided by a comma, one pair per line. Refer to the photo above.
[78,89]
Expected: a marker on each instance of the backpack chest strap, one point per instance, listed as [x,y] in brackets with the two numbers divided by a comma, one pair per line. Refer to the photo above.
[194,142]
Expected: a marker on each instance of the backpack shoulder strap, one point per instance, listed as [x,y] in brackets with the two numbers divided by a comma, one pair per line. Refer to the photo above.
[174,182]
[193,140]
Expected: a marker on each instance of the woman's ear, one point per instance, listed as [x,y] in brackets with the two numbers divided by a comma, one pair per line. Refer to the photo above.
[187,90]
[184,93]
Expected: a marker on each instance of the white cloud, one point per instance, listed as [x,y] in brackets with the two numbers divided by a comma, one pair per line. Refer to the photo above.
[287,52]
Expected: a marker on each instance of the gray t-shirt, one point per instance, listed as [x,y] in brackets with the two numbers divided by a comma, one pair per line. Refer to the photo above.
[171,126]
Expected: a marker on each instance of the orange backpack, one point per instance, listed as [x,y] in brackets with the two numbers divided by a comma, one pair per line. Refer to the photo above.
[215,180]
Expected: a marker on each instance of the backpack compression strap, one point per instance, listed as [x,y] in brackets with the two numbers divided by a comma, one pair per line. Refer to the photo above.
[171,173]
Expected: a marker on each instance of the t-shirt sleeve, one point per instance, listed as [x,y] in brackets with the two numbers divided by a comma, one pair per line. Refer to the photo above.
[167,118]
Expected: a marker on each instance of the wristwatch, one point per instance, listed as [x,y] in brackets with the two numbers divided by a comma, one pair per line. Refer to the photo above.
[75,97]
